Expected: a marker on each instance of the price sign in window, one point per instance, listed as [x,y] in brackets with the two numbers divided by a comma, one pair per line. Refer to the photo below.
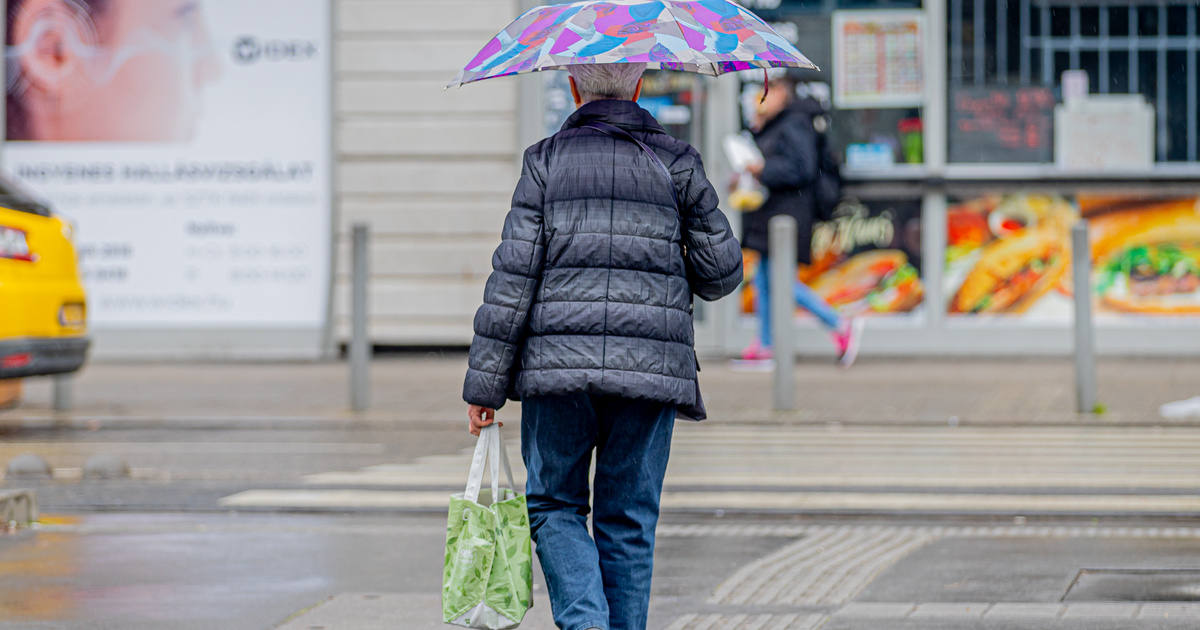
[878,58]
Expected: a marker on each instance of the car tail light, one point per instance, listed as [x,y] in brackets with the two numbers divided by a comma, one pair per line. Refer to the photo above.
[14,245]
[15,361]
[72,315]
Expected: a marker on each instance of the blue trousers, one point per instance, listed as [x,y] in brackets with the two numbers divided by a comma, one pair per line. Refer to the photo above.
[802,293]
[601,582]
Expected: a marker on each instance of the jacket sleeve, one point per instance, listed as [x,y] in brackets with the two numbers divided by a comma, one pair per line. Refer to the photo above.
[794,164]
[714,256]
[508,296]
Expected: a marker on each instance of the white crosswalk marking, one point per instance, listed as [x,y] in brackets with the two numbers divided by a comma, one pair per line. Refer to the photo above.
[723,455]
[1026,470]
[791,621]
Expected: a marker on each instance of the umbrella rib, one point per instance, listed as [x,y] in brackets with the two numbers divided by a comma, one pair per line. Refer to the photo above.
[695,58]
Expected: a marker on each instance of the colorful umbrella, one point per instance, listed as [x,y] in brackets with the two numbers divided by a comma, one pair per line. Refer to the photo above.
[706,36]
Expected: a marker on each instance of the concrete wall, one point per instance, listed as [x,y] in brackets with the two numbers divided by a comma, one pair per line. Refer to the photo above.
[432,171]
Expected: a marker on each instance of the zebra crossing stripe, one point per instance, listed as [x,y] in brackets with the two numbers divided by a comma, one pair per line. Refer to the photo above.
[788,621]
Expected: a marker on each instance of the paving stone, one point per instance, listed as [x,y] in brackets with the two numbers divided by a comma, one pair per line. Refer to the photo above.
[1101,610]
[1169,611]
[879,610]
[949,610]
[411,611]
[928,391]
[1024,610]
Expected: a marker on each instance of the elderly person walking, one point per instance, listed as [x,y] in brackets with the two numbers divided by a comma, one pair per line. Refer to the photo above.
[587,320]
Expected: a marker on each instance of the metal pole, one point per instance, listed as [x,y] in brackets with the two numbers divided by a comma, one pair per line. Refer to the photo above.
[328,336]
[782,231]
[360,347]
[936,113]
[1085,359]
[64,394]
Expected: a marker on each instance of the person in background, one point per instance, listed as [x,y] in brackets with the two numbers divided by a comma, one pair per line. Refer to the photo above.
[786,135]
[587,320]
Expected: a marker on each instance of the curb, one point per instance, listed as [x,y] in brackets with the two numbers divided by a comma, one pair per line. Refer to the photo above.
[311,423]
[17,507]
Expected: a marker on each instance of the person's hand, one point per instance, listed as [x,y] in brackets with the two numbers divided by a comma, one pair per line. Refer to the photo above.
[733,181]
[480,417]
[755,169]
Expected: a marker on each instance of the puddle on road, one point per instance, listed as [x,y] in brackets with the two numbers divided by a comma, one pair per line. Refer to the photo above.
[35,576]
[203,571]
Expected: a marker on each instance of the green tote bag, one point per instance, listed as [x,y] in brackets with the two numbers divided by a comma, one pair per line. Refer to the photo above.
[487,577]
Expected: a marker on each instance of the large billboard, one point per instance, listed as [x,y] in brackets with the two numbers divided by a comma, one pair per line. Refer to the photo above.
[190,142]
[1008,257]
[866,260]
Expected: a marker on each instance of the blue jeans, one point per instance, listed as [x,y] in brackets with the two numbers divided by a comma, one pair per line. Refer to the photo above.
[602,582]
[804,296]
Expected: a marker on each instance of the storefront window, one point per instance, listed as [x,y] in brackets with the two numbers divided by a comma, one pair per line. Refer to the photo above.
[674,99]
[1132,61]
[865,134]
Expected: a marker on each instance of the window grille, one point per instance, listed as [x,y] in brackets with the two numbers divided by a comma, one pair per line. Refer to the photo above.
[1147,47]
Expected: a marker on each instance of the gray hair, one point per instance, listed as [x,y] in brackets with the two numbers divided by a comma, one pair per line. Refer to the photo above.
[607,80]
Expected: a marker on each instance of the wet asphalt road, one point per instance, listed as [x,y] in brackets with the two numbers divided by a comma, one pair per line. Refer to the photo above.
[253,571]
[191,469]
[156,552]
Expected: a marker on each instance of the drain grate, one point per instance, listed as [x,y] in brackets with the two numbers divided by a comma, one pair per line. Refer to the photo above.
[1135,585]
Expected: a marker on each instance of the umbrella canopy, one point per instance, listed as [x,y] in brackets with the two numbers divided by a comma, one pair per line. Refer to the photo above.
[706,36]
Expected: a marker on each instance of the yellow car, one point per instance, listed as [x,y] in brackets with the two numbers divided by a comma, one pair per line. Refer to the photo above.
[43,308]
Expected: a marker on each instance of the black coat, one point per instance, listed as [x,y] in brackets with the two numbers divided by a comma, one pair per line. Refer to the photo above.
[791,161]
[591,290]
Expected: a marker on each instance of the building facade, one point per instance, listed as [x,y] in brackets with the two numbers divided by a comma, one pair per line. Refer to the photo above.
[967,128]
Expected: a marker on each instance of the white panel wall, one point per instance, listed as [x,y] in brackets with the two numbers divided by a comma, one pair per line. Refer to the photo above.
[432,171]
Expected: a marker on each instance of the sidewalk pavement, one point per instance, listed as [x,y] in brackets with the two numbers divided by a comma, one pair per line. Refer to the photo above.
[427,388]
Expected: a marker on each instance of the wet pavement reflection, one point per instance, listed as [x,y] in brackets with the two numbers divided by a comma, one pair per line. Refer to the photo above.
[138,572]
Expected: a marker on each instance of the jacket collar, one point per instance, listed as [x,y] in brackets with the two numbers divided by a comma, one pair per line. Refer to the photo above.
[627,115]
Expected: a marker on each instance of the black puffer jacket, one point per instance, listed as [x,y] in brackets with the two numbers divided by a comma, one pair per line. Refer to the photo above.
[791,161]
[591,290]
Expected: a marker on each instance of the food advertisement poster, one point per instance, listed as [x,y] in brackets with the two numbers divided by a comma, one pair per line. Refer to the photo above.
[189,141]
[1010,256]
[878,58]
[866,260]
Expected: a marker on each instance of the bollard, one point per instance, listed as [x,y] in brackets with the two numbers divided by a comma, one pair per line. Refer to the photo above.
[360,346]
[64,392]
[1085,358]
[782,230]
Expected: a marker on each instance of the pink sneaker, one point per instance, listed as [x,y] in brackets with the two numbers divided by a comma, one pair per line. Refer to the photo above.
[847,341]
[756,352]
[755,358]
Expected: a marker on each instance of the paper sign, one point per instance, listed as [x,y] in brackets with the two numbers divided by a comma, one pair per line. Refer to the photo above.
[1105,132]
[878,58]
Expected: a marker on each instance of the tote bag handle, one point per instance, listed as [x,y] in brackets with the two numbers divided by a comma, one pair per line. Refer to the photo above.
[489,450]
